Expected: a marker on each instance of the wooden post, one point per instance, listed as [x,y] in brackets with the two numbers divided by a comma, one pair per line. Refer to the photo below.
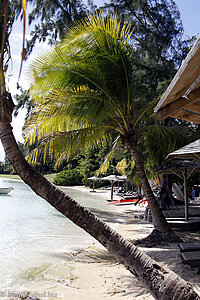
[112,183]
[93,185]
[185,194]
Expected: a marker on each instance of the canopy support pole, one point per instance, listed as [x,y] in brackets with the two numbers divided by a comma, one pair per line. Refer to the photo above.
[93,185]
[185,194]
[112,183]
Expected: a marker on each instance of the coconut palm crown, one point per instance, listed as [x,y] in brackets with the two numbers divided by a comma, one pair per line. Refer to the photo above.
[84,87]
[84,91]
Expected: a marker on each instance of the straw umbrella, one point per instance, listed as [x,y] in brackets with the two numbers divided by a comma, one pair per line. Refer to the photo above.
[93,178]
[112,179]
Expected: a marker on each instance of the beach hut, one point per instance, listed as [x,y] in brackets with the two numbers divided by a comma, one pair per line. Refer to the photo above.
[181,100]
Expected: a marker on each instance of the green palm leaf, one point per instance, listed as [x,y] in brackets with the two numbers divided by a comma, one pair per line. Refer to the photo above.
[86,82]
[61,145]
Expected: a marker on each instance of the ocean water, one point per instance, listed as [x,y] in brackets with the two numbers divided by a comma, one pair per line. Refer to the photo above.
[33,234]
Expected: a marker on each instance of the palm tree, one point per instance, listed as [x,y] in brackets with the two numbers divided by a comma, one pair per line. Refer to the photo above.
[91,79]
[161,283]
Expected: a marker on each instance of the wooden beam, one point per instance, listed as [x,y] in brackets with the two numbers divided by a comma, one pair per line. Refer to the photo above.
[196,156]
[195,107]
[187,116]
[187,73]
[172,108]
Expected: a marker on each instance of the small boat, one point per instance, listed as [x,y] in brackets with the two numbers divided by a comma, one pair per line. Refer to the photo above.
[128,201]
[124,201]
[6,190]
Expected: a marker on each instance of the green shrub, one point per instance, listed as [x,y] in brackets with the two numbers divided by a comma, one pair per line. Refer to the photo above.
[68,177]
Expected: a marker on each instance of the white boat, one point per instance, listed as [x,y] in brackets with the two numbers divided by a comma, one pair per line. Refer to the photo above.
[5,190]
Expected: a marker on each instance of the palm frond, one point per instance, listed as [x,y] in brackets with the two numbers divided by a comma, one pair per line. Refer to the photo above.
[93,53]
[84,82]
[159,140]
[59,113]
[122,166]
[144,114]
[61,145]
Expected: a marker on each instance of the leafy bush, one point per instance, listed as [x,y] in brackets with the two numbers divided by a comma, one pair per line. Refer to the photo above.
[68,177]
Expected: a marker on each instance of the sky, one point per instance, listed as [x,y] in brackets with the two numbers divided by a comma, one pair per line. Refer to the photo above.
[189,10]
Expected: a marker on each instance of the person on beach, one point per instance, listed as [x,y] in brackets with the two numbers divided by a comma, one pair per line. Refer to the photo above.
[193,193]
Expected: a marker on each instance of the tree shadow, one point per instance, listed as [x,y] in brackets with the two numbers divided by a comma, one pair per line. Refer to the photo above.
[127,217]
[90,255]
[169,256]
[123,285]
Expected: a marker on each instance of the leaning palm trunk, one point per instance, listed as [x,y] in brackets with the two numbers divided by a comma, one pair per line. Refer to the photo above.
[161,283]
[162,231]
[159,220]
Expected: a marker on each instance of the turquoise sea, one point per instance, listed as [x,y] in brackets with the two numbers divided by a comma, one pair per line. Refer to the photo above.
[33,233]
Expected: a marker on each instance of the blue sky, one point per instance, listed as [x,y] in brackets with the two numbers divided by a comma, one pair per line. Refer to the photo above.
[189,10]
[190,15]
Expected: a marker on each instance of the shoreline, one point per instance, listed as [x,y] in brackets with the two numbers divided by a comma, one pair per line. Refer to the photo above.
[105,194]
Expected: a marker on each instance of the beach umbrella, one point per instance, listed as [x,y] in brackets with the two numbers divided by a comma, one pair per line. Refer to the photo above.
[184,169]
[93,178]
[124,179]
[112,179]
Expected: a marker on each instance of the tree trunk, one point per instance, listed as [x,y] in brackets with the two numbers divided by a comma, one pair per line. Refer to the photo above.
[161,283]
[167,199]
[159,220]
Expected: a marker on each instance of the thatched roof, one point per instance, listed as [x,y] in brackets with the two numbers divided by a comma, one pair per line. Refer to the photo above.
[190,151]
[182,98]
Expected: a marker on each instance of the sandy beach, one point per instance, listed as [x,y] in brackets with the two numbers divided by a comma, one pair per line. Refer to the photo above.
[92,273]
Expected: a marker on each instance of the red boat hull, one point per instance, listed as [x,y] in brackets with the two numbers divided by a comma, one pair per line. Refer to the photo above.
[126,201]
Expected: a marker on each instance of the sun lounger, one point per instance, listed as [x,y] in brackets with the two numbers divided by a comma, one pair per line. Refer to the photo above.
[189,247]
[190,254]
[192,259]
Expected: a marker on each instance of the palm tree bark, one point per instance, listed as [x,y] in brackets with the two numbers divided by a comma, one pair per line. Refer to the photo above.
[166,197]
[161,283]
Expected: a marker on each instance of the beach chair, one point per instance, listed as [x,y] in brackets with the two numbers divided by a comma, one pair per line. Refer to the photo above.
[190,254]
[189,247]
[192,259]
